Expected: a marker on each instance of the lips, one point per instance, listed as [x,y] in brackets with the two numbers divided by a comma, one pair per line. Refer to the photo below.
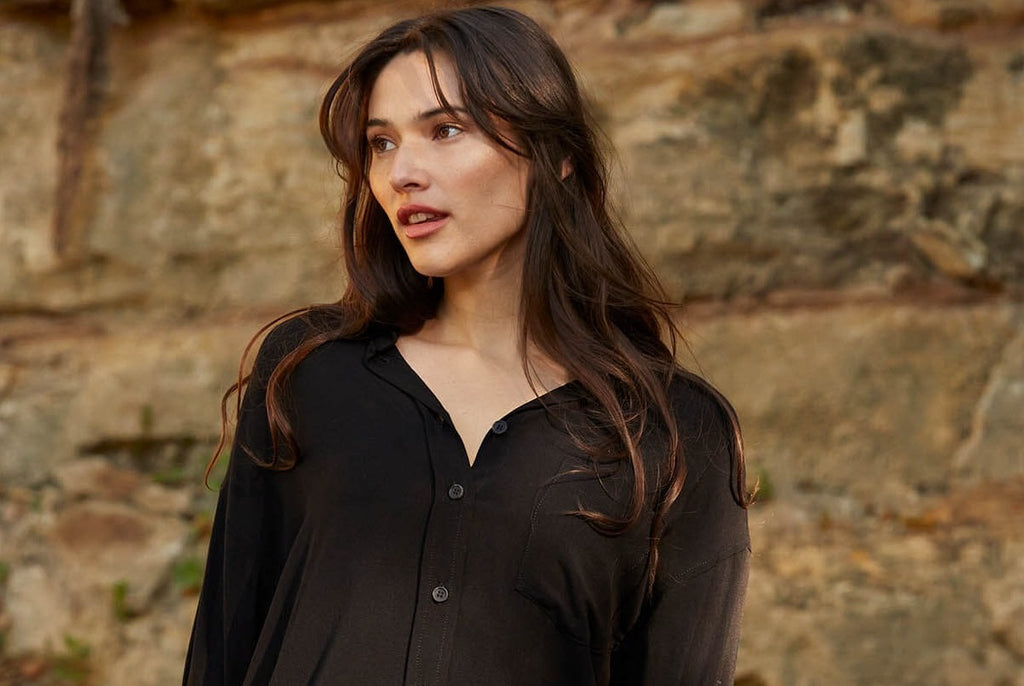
[420,220]
[417,214]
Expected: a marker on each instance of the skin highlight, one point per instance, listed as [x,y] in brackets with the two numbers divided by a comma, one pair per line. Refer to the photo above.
[427,156]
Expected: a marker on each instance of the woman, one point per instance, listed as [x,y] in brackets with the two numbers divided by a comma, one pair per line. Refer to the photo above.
[482,465]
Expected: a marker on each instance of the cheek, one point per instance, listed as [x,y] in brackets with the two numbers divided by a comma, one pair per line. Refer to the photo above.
[500,181]
[463,175]
[376,181]
[515,180]
[378,198]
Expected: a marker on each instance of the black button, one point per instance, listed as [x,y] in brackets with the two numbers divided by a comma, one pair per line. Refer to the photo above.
[439,594]
[456,491]
[500,426]
[384,359]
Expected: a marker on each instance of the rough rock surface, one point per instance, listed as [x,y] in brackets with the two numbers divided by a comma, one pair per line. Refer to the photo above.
[834,187]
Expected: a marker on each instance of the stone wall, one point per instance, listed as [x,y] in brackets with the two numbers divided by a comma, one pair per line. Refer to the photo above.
[836,189]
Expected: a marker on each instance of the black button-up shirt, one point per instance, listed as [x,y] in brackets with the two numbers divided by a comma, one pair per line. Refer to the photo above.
[384,558]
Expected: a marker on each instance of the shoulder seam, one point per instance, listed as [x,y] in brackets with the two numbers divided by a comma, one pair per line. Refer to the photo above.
[707,565]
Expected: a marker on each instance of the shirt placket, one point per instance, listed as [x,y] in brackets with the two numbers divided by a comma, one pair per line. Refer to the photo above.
[443,562]
[445,550]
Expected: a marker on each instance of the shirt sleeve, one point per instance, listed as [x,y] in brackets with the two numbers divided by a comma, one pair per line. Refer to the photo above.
[244,559]
[688,632]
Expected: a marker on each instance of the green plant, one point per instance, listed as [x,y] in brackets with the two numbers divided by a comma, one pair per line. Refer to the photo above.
[146,419]
[202,526]
[172,476]
[73,664]
[5,572]
[187,575]
[764,488]
[119,601]
[219,471]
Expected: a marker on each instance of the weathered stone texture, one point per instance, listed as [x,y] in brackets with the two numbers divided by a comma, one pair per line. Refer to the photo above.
[850,400]
[994,450]
[30,58]
[145,398]
[913,600]
[33,404]
[836,185]
[232,209]
[843,166]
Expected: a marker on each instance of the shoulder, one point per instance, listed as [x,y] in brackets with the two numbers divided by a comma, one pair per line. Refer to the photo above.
[708,521]
[308,328]
[708,427]
[696,399]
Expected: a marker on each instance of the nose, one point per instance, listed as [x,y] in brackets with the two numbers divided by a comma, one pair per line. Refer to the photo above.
[408,171]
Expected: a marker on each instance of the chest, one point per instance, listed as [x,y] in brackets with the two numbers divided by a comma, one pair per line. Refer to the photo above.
[383,483]
[476,404]
[403,497]
[475,393]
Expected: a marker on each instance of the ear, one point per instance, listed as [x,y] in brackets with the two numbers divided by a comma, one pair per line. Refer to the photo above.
[566,168]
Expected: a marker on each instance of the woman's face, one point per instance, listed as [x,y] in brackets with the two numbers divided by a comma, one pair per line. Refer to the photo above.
[456,199]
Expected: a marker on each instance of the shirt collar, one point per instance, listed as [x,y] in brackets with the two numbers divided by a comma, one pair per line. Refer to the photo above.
[384,359]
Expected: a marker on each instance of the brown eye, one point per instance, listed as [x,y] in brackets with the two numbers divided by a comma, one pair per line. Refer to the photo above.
[379,144]
[447,131]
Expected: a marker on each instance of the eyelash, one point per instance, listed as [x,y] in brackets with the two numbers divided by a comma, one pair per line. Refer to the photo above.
[454,127]
[377,143]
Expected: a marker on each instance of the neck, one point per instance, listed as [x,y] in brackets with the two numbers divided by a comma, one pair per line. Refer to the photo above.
[482,314]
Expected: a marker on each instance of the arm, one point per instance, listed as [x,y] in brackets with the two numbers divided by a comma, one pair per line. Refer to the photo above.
[688,632]
[244,558]
[231,611]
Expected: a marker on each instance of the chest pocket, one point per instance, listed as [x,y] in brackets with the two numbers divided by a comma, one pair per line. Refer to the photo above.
[589,584]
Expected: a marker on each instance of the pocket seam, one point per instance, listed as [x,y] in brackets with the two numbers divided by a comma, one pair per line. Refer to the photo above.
[523,585]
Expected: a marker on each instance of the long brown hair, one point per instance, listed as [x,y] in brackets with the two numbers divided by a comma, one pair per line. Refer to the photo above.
[588,300]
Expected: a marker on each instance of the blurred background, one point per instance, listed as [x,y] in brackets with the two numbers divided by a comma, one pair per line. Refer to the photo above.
[834,188]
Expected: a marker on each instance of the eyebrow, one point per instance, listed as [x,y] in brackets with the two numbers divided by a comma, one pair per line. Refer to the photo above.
[422,116]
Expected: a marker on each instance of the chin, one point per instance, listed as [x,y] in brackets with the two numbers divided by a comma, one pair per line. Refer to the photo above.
[431,270]
[429,263]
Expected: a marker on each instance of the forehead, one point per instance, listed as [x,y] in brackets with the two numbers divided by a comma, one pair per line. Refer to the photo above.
[405,85]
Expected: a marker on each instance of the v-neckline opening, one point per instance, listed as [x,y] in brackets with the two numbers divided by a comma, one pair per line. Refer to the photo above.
[544,400]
